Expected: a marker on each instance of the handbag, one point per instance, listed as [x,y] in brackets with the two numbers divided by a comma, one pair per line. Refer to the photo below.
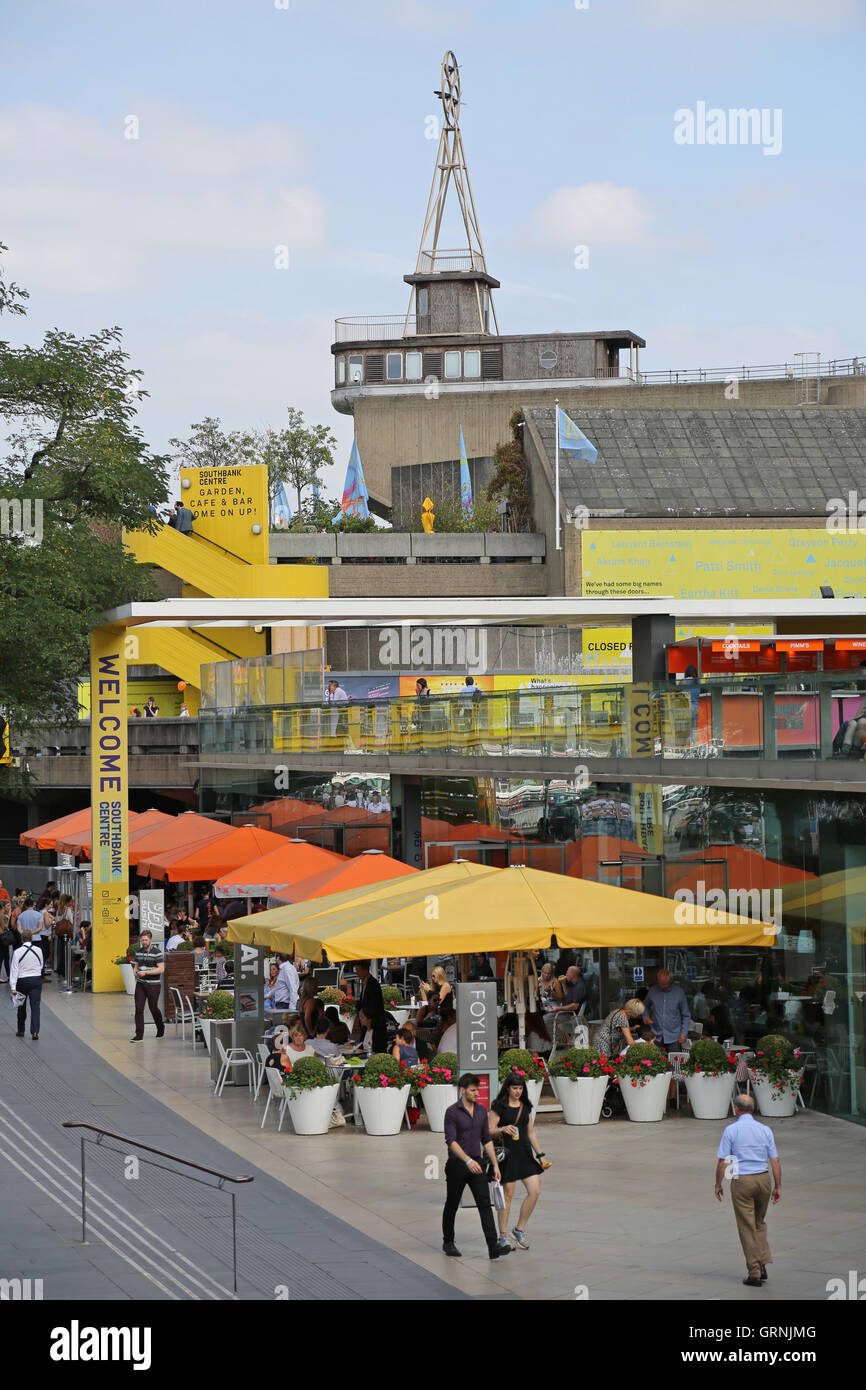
[498,1197]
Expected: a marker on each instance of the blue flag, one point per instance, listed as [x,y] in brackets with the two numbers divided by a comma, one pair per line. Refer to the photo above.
[573,439]
[465,480]
[355,497]
[281,508]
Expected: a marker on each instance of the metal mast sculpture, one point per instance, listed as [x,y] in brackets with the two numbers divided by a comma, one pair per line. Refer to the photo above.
[451,164]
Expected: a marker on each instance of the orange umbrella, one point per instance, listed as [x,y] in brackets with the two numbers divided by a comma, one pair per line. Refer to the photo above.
[139,822]
[185,830]
[214,857]
[45,836]
[293,861]
[370,867]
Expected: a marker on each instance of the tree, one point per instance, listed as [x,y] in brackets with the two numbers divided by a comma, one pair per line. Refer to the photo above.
[77,471]
[294,456]
[209,447]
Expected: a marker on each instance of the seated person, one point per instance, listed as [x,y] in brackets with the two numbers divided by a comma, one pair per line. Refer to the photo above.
[298,1045]
[853,733]
[538,1038]
[338,1034]
[435,993]
[321,1044]
[271,985]
[404,1048]
[445,1038]
[222,964]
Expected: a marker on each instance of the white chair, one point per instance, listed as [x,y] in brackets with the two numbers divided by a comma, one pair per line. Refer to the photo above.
[264,1054]
[275,1088]
[180,1013]
[676,1059]
[235,1057]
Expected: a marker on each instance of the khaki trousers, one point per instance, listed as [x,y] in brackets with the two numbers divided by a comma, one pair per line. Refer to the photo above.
[751,1196]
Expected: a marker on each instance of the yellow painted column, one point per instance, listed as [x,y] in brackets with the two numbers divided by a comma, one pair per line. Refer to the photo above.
[109,801]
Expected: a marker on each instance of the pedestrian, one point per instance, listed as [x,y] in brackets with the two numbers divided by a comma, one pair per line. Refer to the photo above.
[4,896]
[748,1150]
[29,919]
[149,970]
[467,1133]
[25,980]
[511,1118]
[151,709]
[371,1007]
[182,519]
[336,695]
[8,937]
[668,1015]
[285,995]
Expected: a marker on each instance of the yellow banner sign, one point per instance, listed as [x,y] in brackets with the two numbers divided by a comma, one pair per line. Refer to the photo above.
[109,800]
[227,503]
[737,564]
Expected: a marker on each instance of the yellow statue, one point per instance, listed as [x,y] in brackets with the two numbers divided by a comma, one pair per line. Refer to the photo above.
[427,516]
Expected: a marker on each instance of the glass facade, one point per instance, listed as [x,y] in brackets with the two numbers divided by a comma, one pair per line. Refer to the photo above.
[785,856]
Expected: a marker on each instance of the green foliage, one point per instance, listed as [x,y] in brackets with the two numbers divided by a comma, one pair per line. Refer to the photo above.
[775,1059]
[452,517]
[76,471]
[708,1058]
[578,1062]
[307,1074]
[219,1004]
[511,479]
[442,1071]
[642,1061]
[519,1060]
[381,1070]
[392,995]
[363,524]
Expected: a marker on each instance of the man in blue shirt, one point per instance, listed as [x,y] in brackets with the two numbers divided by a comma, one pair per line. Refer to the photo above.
[748,1151]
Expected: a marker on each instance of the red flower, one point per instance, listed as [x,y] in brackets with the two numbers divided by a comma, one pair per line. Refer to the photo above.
[356,1078]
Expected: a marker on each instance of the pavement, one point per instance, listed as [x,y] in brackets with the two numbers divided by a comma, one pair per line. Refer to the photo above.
[626,1213]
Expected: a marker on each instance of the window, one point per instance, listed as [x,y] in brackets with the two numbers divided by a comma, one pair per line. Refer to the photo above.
[394,366]
[356,369]
[452,365]
[472,362]
[422,301]
[413,366]
[548,359]
[341,370]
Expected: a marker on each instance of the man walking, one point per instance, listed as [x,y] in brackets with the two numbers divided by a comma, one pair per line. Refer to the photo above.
[31,920]
[286,989]
[25,979]
[466,1133]
[182,519]
[749,1150]
[149,970]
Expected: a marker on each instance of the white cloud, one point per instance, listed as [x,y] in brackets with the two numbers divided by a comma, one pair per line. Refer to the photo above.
[732,13]
[593,214]
[90,210]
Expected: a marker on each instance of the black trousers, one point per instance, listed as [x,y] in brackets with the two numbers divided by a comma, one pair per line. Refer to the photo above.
[147,994]
[31,988]
[458,1177]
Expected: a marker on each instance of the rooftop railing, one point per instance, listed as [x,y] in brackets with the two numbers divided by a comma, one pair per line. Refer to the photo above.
[773,718]
[371,330]
[792,371]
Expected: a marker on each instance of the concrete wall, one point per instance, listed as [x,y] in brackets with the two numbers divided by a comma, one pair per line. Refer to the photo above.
[403,547]
[417,581]
[438,481]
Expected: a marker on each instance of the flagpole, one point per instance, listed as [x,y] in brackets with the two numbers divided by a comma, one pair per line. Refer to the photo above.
[556,431]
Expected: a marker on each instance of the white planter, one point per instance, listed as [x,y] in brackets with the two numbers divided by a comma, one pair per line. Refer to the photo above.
[581,1099]
[436,1100]
[204,1024]
[533,1090]
[310,1111]
[128,973]
[400,1016]
[382,1109]
[767,1094]
[710,1096]
[649,1101]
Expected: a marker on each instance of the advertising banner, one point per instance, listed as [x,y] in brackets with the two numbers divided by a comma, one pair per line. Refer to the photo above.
[741,564]
[226,504]
[477,1037]
[646,797]
[109,800]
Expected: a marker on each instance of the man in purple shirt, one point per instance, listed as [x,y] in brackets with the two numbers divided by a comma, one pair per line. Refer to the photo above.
[466,1133]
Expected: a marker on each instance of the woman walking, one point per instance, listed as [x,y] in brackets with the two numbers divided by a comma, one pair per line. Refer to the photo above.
[25,978]
[511,1123]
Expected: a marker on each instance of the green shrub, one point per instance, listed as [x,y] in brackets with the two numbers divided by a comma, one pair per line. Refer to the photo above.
[381,1070]
[219,1004]
[708,1058]
[639,1051]
[642,1061]
[519,1060]
[442,1071]
[774,1045]
[307,1074]
[578,1062]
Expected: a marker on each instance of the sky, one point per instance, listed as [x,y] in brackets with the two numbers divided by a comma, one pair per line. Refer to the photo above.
[156,157]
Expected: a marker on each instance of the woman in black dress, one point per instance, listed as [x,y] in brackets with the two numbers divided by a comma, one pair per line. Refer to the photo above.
[511,1125]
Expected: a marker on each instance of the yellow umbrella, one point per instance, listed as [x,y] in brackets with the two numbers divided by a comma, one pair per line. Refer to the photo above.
[514,909]
[276,928]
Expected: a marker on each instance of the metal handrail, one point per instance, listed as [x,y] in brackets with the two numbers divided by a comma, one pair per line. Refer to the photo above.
[371,329]
[160,1153]
[791,371]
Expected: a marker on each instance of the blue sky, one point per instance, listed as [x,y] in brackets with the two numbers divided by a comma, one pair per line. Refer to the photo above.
[304,126]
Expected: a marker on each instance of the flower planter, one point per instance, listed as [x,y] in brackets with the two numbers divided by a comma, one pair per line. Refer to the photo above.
[128,974]
[204,1024]
[533,1090]
[382,1109]
[774,1099]
[310,1111]
[436,1100]
[223,1028]
[710,1096]
[581,1099]
[400,1016]
[649,1101]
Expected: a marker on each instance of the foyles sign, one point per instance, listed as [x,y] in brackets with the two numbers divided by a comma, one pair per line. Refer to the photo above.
[431,647]
[477,1043]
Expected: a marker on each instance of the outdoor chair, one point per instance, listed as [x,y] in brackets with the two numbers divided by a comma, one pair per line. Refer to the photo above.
[677,1059]
[276,1088]
[264,1054]
[235,1057]
[183,1011]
